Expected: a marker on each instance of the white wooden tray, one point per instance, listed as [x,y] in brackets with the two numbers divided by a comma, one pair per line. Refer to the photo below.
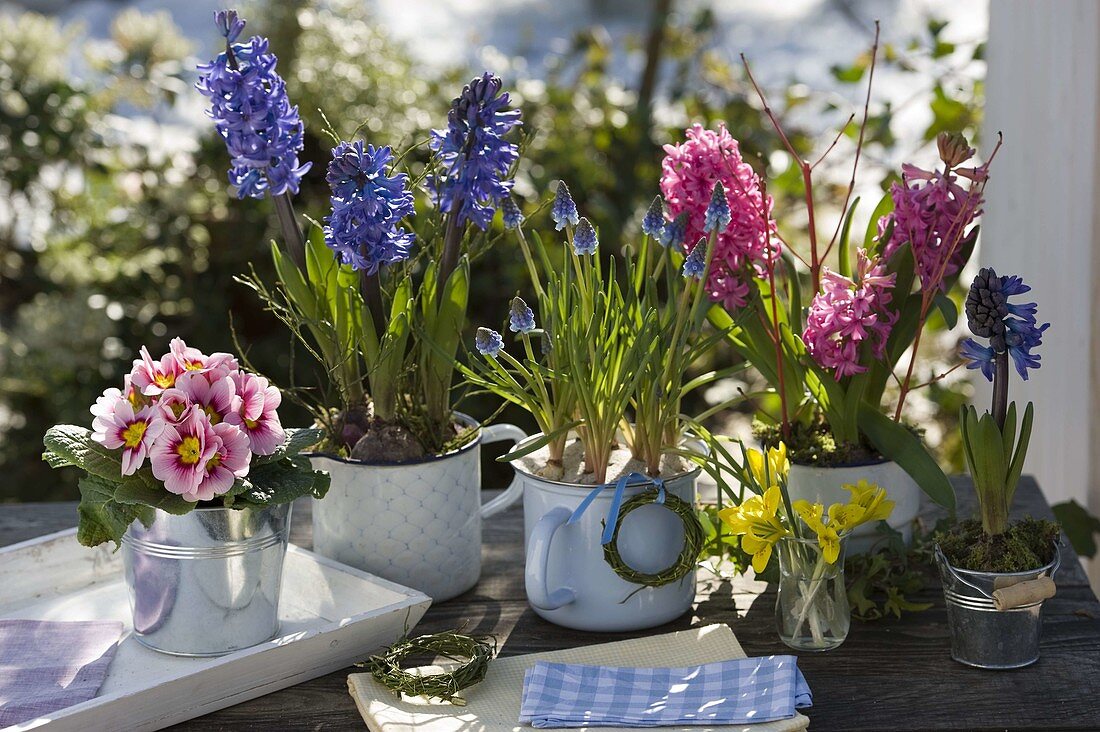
[332,615]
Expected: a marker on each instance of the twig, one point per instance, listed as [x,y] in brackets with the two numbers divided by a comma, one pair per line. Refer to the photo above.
[839,134]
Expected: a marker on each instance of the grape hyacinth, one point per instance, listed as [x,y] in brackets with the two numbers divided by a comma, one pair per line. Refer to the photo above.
[513,217]
[932,212]
[653,225]
[521,319]
[1011,328]
[584,240]
[848,313]
[251,111]
[695,264]
[473,154]
[488,342]
[564,211]
[717,216]
[744,245]
[368,205]
[675,231]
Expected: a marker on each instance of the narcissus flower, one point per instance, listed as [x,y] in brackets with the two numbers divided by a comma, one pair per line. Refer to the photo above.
[755,521]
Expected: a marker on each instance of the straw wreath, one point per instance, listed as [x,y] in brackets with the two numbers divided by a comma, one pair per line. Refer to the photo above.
[693,542]
[475,654]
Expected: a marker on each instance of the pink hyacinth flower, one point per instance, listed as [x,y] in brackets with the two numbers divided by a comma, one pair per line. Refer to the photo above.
[136,433]
[180,454]
[255,411]
[746,246]
[229,462]
[213,397]
[151,377]
[846,313]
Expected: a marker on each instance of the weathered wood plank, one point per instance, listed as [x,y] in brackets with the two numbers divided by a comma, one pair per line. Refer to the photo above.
[890,674]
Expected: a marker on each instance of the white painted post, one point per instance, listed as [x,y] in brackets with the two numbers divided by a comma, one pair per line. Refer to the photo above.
[1042,222]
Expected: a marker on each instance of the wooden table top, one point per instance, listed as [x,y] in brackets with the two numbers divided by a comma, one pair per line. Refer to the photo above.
[889,674]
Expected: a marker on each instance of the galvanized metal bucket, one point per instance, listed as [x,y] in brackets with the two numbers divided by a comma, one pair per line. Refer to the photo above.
[206,583]
[981,635]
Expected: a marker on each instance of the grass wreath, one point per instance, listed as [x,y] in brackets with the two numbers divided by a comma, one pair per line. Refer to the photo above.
[473,653]
[694,538]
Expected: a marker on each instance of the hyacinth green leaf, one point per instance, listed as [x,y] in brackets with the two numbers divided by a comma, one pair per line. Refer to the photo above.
[948,309]
[1008,432]
[1016,467]
[990,461]
[885,206]
[294,283]
[844,244]
[895,442]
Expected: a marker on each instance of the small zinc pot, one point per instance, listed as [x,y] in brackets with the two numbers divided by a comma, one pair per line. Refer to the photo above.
[567,578]
[826,486]
[206,583]
[982,635]
[417,524]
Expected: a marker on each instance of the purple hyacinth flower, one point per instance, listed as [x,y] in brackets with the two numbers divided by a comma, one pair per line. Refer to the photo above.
[564,211]
[584,240]
[474,158]
[521,319]
[229,23]
[368,205]
[488,342]
[1009,327]
[695,264]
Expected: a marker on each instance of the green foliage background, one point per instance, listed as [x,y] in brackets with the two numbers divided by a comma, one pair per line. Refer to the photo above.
[122,231]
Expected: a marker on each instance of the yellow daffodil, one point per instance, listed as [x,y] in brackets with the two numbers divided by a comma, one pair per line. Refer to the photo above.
[755,521]
[775,472]
[871,501]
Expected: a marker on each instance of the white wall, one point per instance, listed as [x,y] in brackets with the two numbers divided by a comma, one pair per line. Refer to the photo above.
[1041,221]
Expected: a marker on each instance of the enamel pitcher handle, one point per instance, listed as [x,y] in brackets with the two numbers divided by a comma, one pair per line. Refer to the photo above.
[538,558]
[499,433]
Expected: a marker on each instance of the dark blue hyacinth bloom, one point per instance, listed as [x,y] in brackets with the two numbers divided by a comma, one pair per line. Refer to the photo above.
[584,239]
[368,205]
[653,225]
[521,318]
[695,264]
[488,342]
[474,157]
[1009,327]
[718,215]
[513,217]
[251,111]
[564,211]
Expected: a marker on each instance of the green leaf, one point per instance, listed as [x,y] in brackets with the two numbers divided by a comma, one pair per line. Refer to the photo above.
[285,481]
[1080,526]
[1016,467]
[135,492]
[73,445]
[536,444]
[899,444]
[947,308]
[844,248]
[297,439]
[102,519]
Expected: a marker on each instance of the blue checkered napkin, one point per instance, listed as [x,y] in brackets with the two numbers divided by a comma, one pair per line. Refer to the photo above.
[738,691]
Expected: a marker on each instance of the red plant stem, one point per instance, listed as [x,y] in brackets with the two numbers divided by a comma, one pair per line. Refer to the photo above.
[807,176]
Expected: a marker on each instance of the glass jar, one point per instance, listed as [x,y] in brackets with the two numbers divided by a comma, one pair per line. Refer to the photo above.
[811,611]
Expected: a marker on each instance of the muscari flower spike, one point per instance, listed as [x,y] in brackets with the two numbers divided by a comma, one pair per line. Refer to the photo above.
[653,224]
[695,264]
[584,240]
[675,230]
[564,211]
[1010,327]
[718,215]
[513,217]
[474,157]
[263,133]
[521,319]
[367,207]
[488,342]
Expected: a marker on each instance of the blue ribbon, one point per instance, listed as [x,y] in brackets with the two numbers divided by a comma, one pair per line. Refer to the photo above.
[616,501]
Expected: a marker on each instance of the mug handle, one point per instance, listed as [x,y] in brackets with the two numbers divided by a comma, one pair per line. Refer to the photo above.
[498,433]
[538,557]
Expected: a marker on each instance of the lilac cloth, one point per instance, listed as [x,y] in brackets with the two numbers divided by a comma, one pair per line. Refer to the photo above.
[46,666]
